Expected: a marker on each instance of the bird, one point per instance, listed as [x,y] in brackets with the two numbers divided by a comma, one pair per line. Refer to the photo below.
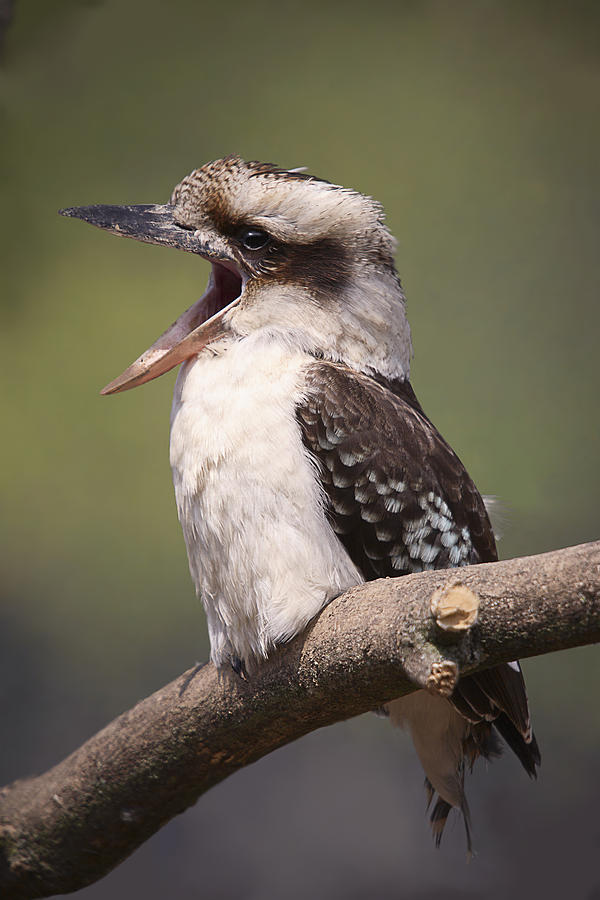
[302,461]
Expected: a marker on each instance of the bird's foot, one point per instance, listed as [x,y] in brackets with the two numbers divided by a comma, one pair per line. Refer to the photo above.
[239,667]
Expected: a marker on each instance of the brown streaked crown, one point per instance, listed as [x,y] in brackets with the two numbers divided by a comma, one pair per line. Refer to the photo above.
[292,206]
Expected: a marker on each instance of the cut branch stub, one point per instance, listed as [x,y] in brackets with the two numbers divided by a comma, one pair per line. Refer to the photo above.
[455,608]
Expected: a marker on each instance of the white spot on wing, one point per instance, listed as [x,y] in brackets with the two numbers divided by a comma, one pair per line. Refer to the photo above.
[340,480]
[393,505]
[350,459]
[369,514]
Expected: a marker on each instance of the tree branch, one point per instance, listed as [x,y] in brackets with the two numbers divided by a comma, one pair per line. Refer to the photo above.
[72,825]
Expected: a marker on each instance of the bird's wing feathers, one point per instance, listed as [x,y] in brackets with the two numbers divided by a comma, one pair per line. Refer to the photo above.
[400,501]
[399,498]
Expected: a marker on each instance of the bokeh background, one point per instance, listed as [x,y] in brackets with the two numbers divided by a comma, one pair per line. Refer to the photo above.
[477,123]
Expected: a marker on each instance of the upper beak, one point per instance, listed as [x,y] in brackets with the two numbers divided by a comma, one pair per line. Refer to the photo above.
[203,322]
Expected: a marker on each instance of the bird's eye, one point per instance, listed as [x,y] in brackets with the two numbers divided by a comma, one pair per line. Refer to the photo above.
[254,238]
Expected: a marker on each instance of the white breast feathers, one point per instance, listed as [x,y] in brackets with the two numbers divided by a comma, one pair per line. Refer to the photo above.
[262,555]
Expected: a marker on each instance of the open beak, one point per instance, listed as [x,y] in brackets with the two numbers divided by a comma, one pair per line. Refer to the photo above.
[204,322]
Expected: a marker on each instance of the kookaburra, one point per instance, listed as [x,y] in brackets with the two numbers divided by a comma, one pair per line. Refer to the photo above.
[303,463]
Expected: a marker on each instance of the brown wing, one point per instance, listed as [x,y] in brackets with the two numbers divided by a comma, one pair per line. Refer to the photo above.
[400,499]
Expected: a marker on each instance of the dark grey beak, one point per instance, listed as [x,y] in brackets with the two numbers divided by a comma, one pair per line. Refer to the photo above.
[148,222]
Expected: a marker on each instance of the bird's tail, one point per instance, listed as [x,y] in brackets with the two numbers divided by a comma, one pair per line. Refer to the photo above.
[439,734]
[450,735]
[439,816]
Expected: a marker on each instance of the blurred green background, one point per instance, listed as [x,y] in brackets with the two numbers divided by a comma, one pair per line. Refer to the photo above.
[477,124]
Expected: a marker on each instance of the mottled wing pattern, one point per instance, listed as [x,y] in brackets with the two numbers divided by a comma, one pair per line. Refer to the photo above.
[401,501]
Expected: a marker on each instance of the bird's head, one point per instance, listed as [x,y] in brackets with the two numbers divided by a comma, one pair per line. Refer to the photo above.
[293,257]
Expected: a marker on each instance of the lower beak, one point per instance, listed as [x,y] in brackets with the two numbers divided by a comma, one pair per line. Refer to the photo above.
[205,321]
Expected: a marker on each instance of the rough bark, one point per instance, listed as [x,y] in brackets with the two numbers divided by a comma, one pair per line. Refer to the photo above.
[73,824]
